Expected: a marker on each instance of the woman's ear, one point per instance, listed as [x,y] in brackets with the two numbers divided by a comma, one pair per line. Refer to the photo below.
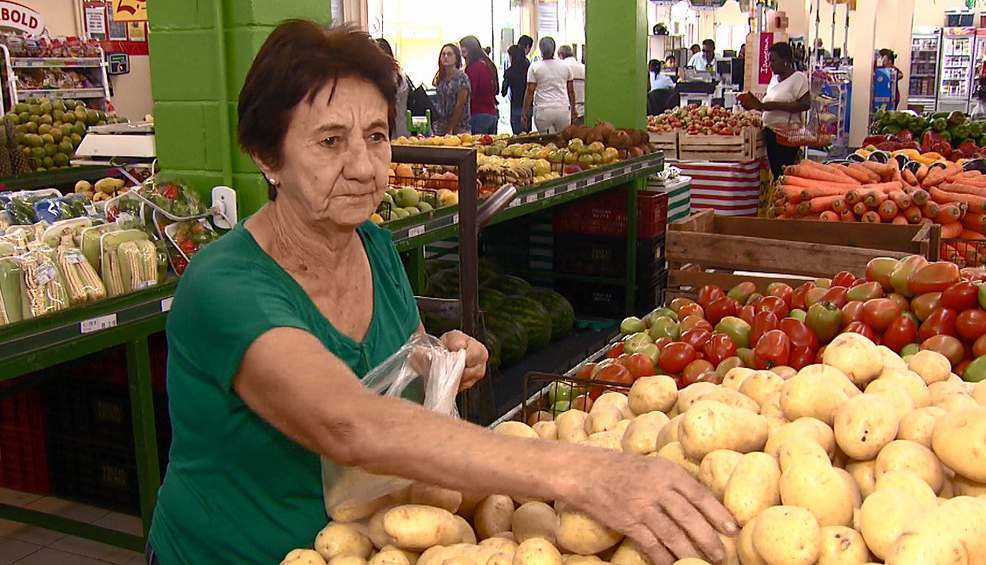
[266,169]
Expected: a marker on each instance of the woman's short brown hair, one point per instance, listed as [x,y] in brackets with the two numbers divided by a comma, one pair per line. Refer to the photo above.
[299,58]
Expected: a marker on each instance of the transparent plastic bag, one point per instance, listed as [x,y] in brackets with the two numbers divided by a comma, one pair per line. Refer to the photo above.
[352,494]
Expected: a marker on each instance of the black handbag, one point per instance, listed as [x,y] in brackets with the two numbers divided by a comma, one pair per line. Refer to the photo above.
[418,101]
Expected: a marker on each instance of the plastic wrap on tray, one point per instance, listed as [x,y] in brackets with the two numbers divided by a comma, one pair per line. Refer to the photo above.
[188,238]
[11,308]
[171,197]
[89,241]
[81,281]
[42,288]
[128,261]
[55,234]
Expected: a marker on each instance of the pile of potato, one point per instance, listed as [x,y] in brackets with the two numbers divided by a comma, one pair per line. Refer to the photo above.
[867,458]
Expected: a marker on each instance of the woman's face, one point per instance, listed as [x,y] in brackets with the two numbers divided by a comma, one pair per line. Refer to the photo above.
[447,57]
[336,155]
[778,65]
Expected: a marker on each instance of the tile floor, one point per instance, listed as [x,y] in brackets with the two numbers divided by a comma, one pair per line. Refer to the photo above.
[21,544]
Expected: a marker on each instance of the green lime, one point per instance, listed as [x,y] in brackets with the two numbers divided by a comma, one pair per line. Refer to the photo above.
[34,109]
[33,140]
[65,146]
[14,118]
[38,153]
[23,117]
[43,129]
[47,138]
[46,107]
[76,139]
[50,149]
[57,114]
[46,119]
[56,135]
[20,107]
[32,127]
[48,162]
[61,160]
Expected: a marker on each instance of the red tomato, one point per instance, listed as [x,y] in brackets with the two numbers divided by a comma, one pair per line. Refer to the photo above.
[924,305]
[961,367]
[638,364]
[709,377]
[852,312]
[696,338]
[979,347]
[763,322]
[615,373]
[773,349]
[615,351]
[820,354]
[934,277]
[799,333]
[801,357]
[940,322]
[901,332]
[692,322]
[663,342]
[773,304]
[782,291]
[719,348]
[901,301]
[693,309]
[747,313]
[709,293]
[971,324]
[844,278]
[676,357]
[586,371]
[960,296]
[878,313]
[798,297]
[678,303]
[862,329]
[720,308]
[836,295]
[946,345]
[858,282]
[691,373]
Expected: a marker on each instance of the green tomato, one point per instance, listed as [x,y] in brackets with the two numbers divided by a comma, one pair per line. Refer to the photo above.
[753,298]
[798,314]
[976,371]
[662,313]
[651,350]
[664,327]
[737,329]
[559,391]
[982,295]
[634,342]
[632,325]
[825,319]
[909,350]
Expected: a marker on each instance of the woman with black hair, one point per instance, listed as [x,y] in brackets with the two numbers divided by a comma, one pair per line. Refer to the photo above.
[888,60]
[452,88]
[515,81]
[484,81]
[788,98]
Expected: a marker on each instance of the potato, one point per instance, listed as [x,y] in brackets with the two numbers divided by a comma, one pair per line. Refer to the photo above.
[710,425]
[801,449]
[674,452]
[959,441]
[817,488]
[669,432]
[500,545]
[390,556]
[303,557]
[954,532]
[911,382]
[884,516]
[918,424]
[832,375]
[641,433]
[856,356]
[691,394]
[581,534]
[715,469]
[775,422]
[571,426]
[908,455]
[516,429]
[909,482]
[761,386]
[603,419]
[863,425]
[783,371]
[957,402]
[500,559]
[840,545]
[572,559]
[752,487]
[787,535]
[628,553]
[534,520]
[979,393]
[342,539]
[610,398]
[732,558]
[734,377]
[540,416]
[493,515]
[851,486]
[653,394]
[731,398]
[375,530]
[416,527]
[931,366]
[894,393]
[547,430]
[771,405]
[605,440]
[469,502]
[811,428]
[808,395]
[891,360]
[864,475]
[748,554]
[355,512]
[430,495]
[939,391]
[962,486]
[691,561]
[537,551]
[348,560]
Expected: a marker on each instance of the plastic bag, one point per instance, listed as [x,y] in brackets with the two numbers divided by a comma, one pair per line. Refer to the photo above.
[352,494]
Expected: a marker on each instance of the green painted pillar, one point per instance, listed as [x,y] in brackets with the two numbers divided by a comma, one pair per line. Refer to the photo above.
[616,62]
[200,53]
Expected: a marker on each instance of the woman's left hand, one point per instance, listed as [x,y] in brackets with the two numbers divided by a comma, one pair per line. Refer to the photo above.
[476,356]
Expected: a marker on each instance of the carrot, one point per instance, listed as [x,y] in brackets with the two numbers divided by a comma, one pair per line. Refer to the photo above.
[939,175]
[951,230]
[886,187]
[913,214]
[791,194]
[966,175]
[885,170]
[828,216]
[926,220]
[807,193]
[971,234]
[887,210]
[859,209]
[909,177]
[839,204]
[794,180]
[921,173]
[901,199]
[834,169]
[901,220]
[859,174]
[948,213]
[949,253]
[920,197]
[822,203]
[848,216]
[930,210]
[871,217]
[808,172]
[975,221]
[975,203]
[860,170]
[963,188]
[874,198]
[853,196]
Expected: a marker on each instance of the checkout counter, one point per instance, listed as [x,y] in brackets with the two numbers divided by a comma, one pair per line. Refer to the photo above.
[710,89]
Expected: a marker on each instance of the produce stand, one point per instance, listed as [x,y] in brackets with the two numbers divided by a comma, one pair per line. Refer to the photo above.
[58,177]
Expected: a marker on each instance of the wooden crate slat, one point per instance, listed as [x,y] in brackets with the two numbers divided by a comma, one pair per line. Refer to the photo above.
[696,278]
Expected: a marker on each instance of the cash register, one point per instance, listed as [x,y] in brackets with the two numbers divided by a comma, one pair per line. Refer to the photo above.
[710,87]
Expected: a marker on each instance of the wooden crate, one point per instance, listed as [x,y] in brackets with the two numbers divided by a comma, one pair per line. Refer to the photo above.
[710,249]
[748,146]
[666,142]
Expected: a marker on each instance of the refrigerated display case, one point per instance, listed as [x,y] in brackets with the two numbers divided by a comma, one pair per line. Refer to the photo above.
[955,85]
[978,61]
[923,78]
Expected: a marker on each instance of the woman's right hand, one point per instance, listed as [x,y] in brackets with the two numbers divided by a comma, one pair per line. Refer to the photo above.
[668,513]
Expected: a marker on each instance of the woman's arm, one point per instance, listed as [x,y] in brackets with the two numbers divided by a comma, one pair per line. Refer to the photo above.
[460,104]
[506,82]
[801,105]
[525,115]
[290,380]
[571,99]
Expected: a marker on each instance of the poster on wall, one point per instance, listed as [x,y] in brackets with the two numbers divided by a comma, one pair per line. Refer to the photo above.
[129,10]
[117,29]
[95,22]
[137,31]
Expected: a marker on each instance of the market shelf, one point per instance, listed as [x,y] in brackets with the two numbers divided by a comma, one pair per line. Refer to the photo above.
[54,62]
[46,179]
[66,93]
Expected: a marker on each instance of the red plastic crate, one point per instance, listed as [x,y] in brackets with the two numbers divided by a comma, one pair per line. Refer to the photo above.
[23,449]
[606,215]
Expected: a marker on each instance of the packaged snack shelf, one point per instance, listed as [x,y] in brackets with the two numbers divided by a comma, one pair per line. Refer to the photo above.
[91,70]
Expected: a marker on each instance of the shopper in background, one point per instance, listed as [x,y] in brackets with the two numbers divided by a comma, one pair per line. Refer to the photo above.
[788,98]
[551,89]
[695,49]
[526,43]
[671,63]
[567,55]
[273,327]
[658,80]
[483,80]
[705,59]
[452,94]
[515,81]
[403,89]
[887,61]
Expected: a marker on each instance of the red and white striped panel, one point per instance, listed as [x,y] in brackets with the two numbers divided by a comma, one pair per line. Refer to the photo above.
[731,189]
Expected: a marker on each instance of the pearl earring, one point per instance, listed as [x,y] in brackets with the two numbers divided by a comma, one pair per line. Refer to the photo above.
[272,181]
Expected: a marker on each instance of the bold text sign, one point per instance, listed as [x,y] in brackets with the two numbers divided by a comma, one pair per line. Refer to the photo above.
[130,10]
[22,18]
[764,74]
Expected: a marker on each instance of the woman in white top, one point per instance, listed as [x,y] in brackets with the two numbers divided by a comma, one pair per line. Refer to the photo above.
[551,88]
[788,98]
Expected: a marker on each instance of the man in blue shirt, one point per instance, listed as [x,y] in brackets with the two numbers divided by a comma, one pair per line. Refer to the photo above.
[657,79]
[706,58]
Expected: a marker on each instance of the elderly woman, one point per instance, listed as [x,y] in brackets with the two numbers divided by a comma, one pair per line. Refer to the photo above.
[274,325]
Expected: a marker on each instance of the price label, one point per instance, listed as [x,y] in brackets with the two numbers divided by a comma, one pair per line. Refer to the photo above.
[166,304]
[582,183]
[455,218]
[531,198]
[415,231]
[90,209]
[98,324]
[514,202]
[549,193]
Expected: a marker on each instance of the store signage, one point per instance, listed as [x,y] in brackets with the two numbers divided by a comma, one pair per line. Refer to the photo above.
[130,10]
[21,18]
[119,63]
[764,74]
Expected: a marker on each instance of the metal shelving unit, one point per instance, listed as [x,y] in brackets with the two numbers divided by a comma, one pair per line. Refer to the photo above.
[15,93]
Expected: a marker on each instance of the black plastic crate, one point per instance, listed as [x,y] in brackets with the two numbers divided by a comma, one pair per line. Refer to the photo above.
[606,256]
[608,300]
[95,474]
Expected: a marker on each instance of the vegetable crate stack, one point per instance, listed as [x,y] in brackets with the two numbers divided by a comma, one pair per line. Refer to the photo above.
[679,191]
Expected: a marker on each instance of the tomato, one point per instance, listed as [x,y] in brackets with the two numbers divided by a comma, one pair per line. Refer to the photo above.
[862,329]
[663,342]
[746,356]
[940,322]
[901,332]
[865,291]
[902,273]
[692,322]
[782,291]
[824,319]
[708,293]
[852,312]
[720,308]
[747,313]
[879,269]
[677,303]
[901,301]
[844,278]
[763,322]
[975,371]
[692,309]
[924,305]
[615,351]
[960,296]
[910,349]
[651,351]
[799,333]
[946,345]
[799,314]
[878,313]
[836,295]
[773,349]
[638,364]
[982,296]
[719,348]
[962,367]
[971,324]
[657,313]
[800,294]
[664,327]
[697,338]
[676,357]
[583,402]
[738,330]
[814,295]
[615,373]
[979,347]
[934,277]
[741,292]
[694,370]
[773,304]
[801,357]
[728,363]
[709,377]
[824,283]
